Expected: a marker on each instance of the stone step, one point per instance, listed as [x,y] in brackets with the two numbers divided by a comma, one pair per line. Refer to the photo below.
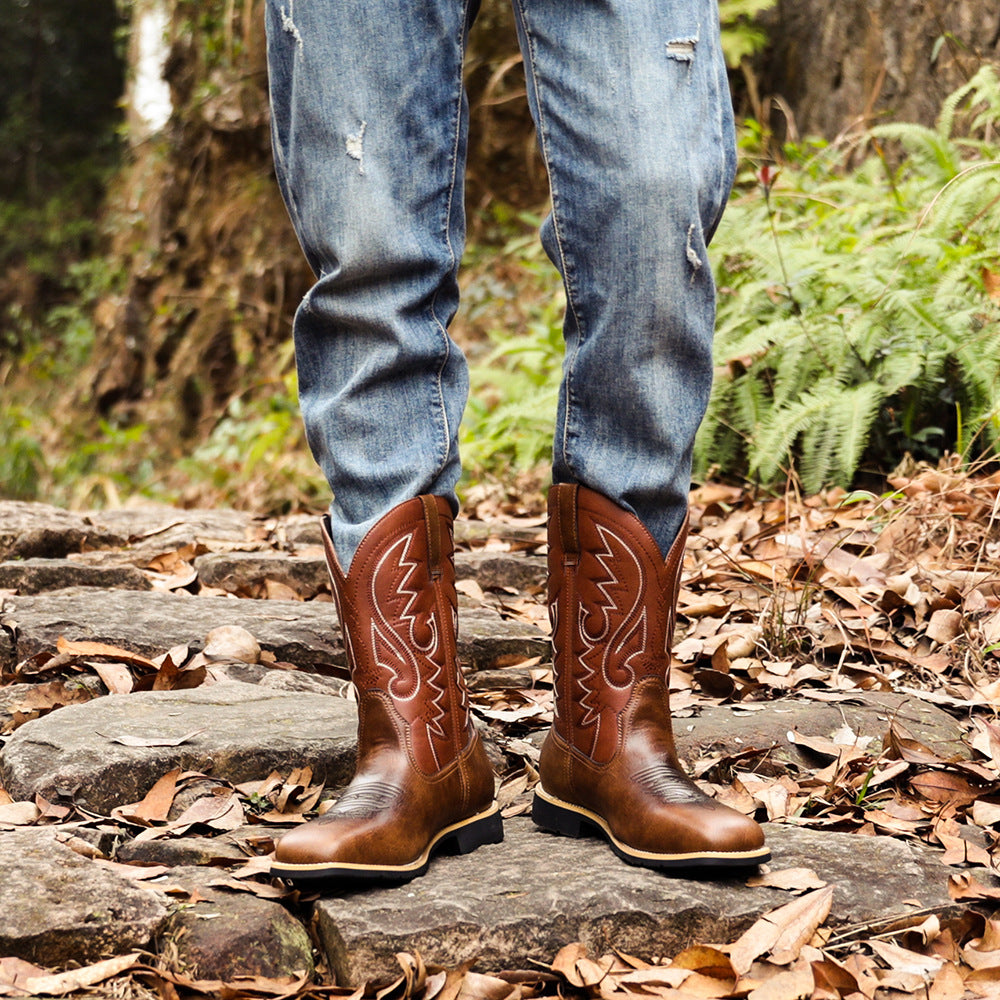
[509,905]
[239,573]
[58,907]
[242,732]
[514,905]
[304,633]
[276,719]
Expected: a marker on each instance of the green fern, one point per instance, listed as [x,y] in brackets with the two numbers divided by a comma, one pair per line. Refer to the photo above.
[872,330]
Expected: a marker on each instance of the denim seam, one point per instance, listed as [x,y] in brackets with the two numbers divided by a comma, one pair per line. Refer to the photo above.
[446,430]
[530,70]
[282,161]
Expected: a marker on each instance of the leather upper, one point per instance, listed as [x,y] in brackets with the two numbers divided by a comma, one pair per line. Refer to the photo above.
[421,765]
[611,749]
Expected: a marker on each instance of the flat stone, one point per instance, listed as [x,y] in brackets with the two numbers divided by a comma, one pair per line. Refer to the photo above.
[497,570]
[297,531]
[303,633]
[503,677]
[469,531]
[730,729]
[223,850]
[35,576]
[151,623]
[487,641]
[226,934]
[868,713]
[58,907]
[237,572]
[280,680]
[28,530]
[307,575]
[513,904]
[27,698]
[241,732]
[168,528]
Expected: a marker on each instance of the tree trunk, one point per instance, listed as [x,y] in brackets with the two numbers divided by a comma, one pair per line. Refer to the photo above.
[840,64]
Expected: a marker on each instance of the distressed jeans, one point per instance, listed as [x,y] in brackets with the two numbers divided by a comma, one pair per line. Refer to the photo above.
[369,127]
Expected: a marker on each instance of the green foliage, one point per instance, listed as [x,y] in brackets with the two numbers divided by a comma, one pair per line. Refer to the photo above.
[514,387]
[256,454]
[20,457]
[742,35]
[854,322]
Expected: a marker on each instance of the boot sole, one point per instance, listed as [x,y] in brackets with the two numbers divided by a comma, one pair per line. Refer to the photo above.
[462,837]
[575,821]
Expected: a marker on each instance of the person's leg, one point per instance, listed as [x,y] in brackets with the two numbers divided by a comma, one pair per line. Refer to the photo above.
[369,134]
[635,123]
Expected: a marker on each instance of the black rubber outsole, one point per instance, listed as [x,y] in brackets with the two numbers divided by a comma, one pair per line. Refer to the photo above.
[462,838]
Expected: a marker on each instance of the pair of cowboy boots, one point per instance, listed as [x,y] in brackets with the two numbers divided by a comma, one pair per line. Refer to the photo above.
[423,781]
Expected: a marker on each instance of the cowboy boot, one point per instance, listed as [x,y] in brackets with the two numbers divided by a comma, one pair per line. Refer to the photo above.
[609,762]
[423,780]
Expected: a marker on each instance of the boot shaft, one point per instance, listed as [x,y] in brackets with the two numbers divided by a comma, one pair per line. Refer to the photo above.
[612,599]
[398,612]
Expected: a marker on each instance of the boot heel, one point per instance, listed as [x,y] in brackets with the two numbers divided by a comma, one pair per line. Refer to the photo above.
[488,830]
[549,816]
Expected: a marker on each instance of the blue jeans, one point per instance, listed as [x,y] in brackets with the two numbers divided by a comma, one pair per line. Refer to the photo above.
[369,122]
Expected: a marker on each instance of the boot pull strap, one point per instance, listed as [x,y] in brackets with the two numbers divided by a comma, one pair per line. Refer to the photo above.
[673,566]
[432,521]
[569,534]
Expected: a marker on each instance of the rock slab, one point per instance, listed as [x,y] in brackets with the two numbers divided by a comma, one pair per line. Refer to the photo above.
[513,904]
[28,530]
[35,576]
[227,933]
[241,732]
[57,907]
[303,633]
[152,623]
[869,714]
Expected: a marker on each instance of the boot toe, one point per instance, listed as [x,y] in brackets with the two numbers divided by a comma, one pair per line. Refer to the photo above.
[707,833]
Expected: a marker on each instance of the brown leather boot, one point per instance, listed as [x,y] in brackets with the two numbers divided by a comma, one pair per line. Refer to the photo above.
[609,762]
[423,780]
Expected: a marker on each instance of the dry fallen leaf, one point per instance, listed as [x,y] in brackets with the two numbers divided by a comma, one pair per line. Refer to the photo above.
[117,678]
[904,960]
[152,741]
[14,972]
[573,962]
[138,872]
[155,807]
[948,984]
[783,931]
[791,879]
[89,649]
[19,813]
[963,886]
[792,984]
[59,984]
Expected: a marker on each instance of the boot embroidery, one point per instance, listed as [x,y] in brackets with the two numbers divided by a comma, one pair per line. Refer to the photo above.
[668,784]
[406,643]
[363,800]
[607,653]
[558,661]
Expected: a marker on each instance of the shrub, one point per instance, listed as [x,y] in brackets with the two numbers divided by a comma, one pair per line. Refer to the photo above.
[858,311]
